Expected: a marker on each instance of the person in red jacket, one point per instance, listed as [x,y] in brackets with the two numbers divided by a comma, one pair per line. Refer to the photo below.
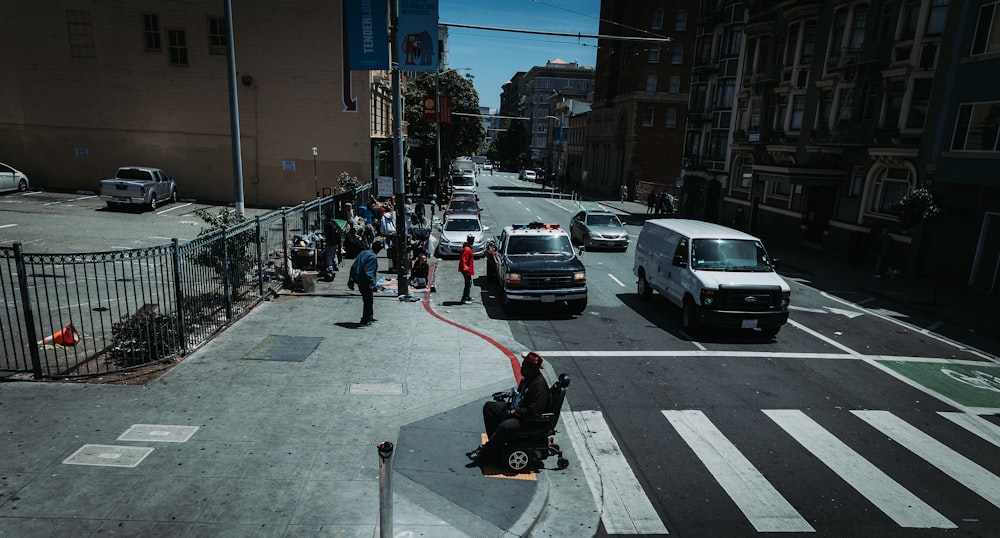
[467,266]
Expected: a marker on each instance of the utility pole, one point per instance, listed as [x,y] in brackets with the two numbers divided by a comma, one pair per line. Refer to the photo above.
[234,112]
[399,186]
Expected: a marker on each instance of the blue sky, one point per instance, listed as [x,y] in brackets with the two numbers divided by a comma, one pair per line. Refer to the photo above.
[495,56]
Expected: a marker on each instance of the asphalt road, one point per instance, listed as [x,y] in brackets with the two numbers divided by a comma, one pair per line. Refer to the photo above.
[845,424]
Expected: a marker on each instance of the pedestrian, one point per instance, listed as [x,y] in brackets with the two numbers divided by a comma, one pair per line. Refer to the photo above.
[651,202]
[419,272]
[467,266]
[502,418]
[883,248]
[433,204]
[364,273]
[623,192]
[332,238]
[388,227]
[418,211]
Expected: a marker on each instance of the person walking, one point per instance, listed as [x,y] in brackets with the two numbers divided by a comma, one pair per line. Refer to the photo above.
[332,238]
[623,192]
[651,202]
[883,249]
[388,227]
[467,266]
[364,273]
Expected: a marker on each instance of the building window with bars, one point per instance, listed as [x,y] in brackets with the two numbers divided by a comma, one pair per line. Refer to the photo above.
[216,35]
[151,32]
[81,34]
[177,46]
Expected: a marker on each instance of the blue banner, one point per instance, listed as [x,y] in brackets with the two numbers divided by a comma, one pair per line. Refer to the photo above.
[418,35]
[368,34]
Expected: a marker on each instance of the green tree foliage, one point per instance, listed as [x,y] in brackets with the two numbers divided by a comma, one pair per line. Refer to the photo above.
[462,136]
[511,143]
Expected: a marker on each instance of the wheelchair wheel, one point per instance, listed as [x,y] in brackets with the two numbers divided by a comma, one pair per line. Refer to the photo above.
[516,458]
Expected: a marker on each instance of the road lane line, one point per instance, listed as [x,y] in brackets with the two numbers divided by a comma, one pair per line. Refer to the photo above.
[7,225]
[895,501]
[977,425]
[83,198]
[172,207]
[962,469]
[625,509]
[620,283]
[53,203]
[766,509]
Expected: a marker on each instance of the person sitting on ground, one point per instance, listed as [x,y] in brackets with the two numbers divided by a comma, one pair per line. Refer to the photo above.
[419,272]
[502,419]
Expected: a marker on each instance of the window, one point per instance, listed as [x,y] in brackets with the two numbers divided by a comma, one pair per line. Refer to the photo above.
[151,31]
[675,84]
[216,35]
[845,108]
[780,189]
[793,43]
[671,121]
[808,43]
[825,108]
[987,30]
[177,45]
[681,23]
[654,55]
[911,13]
[651,83]
[657,23]
[858,28]
[936,17]
[81,34]
[857,182]
[890,187]
[724,92]
[678,53]
[977,127]
[732,41]
[718,145]
[894,104]
[746,177]
[837,35]
[918,103]
[647,117]
[798,109]
[780,111]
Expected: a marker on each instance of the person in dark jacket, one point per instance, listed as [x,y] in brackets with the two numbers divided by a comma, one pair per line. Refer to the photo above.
[364,273]
[501,419]
[419,272]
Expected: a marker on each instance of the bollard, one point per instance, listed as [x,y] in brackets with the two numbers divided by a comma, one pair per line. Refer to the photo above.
[385,489]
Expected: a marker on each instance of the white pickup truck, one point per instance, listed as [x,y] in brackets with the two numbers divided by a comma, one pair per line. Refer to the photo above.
[138,185]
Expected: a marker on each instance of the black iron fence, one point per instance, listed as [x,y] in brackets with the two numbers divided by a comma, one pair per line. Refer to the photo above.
[84,314]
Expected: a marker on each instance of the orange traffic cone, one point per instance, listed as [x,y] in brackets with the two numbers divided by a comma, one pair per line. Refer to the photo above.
[68,336]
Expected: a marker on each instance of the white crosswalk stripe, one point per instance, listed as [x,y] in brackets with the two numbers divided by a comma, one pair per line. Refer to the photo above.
[975,424]
[625,507]
[766,509]
[906,509]
[965,471]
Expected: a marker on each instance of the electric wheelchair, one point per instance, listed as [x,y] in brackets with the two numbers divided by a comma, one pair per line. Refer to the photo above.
[532,443]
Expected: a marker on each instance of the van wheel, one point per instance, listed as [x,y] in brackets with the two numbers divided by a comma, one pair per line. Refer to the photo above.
[689,317]
[642,287]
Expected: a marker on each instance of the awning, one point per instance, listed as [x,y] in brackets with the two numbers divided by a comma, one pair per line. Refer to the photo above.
[799,175]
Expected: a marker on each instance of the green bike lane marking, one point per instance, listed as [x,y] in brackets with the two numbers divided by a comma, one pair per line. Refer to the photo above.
[969,385]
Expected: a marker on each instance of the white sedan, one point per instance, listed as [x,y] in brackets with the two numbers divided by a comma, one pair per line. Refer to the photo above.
[12,179]
[530,175]
[456,228]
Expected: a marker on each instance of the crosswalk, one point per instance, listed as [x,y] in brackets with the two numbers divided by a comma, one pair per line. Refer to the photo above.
[626,509]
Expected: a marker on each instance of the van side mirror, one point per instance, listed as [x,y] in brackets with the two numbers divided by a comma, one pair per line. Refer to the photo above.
[680,260]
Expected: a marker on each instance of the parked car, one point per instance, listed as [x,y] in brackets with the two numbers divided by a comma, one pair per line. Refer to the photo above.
[12,179]
[529,175]
[456,229]
[138,185]
[462,206]
[595,226]
[716,275]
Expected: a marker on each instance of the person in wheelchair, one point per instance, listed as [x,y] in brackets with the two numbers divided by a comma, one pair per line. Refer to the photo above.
[503,416]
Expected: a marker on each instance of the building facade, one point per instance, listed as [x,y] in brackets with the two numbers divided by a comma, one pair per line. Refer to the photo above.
[847,107]
[541,86]
[635,131]
[89,87]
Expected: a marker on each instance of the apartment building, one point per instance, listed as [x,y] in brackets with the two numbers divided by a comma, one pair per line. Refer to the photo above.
[846,107]
[538,89]
[90,86]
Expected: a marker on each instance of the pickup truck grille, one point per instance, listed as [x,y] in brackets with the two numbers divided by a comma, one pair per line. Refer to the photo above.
[545,281]
[749,299]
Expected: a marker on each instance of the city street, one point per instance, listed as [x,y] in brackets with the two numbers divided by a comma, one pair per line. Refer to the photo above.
[851,421]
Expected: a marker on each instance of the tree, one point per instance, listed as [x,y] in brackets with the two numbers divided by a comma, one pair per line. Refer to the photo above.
[510,143]
[462,136]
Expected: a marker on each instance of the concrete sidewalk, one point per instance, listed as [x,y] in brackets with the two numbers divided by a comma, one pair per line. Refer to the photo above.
[270,429]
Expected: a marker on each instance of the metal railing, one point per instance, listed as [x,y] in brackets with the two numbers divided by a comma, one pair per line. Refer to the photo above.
[85,314]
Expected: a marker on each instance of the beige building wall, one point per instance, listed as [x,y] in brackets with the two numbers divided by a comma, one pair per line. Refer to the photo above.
[70,121]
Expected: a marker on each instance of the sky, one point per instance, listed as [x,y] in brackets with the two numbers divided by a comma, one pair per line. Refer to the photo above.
[496,56]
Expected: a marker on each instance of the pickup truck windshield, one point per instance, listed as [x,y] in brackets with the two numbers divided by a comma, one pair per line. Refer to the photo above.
[729,255]
[543,244]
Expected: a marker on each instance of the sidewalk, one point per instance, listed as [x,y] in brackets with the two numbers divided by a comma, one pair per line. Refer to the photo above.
[955,312]
[270,429]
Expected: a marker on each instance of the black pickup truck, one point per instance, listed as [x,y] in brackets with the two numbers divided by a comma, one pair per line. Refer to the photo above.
[537,263]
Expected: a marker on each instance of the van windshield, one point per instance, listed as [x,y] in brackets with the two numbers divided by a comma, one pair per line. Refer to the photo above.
[463,181]
[729,255]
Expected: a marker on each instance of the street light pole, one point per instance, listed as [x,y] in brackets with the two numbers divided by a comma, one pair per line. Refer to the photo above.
[315,175]
[437,126]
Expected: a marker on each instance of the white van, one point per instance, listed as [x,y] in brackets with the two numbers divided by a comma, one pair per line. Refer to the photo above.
[718,276]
